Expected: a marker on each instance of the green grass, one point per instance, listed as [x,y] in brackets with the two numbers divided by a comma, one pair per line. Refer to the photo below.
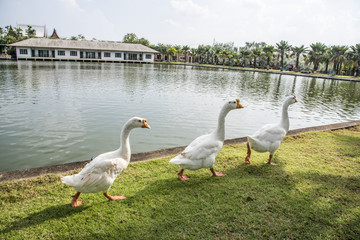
[266,70]
[313,193]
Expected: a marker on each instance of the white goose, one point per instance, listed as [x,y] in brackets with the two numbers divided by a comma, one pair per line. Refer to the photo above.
[99,174]
[201,152]
[269,137]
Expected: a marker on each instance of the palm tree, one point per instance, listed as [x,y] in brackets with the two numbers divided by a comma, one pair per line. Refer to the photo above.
[224,55]
[212,55]
[162,49]
[249,45]
[233,58]
[256,54]
[185,49]
[215,52]
[316,54]
[201,53]
[171,51]
[297,52]
[253,45]
[354,55]
[193,53]
[338,57]
[178,51]
[283,47]
[326,58]
[207,52]
[268,53]
[245,54]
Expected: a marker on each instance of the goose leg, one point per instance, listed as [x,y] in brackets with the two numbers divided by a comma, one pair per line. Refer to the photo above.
[181,176]
[217,174]
[114,198]
[74,201]
[247,159]
[269,162]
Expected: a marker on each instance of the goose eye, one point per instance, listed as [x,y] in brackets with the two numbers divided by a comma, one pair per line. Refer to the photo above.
[139,120]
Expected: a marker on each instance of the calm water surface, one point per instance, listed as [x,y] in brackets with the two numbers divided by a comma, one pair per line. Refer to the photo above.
[60,112]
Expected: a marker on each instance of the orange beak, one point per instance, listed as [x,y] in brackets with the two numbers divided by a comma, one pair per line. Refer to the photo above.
[238,104]
[295,97]
[145,125]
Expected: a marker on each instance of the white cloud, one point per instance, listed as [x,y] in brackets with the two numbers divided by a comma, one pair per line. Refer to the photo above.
[190,8]
[171,22]
[252,4]
[72,4]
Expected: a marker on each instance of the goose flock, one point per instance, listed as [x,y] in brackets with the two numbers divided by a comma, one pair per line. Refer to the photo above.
[99,174]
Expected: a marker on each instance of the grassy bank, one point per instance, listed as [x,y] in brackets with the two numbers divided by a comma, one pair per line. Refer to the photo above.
[314,193]
[293,73]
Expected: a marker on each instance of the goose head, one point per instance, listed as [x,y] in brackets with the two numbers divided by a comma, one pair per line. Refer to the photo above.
[292,99]
[137,122]
[234,104]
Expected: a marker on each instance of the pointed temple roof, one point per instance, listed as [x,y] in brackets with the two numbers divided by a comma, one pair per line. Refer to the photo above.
[54,35]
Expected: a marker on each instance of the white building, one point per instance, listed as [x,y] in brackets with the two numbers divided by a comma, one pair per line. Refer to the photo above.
[82,50]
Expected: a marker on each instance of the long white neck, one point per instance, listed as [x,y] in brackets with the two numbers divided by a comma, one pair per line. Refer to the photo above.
[124,150]
[285,116]
[220,130]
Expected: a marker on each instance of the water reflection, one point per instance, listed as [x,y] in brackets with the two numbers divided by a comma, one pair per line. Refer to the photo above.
[58,112]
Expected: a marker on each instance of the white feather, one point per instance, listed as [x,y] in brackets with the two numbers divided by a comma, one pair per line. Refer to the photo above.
[202,151]
[99,174]
[268,138]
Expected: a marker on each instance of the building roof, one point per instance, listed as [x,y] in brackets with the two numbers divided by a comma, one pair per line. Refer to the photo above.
[83,45]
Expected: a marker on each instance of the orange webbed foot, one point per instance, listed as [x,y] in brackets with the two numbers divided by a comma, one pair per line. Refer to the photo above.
[183,178]
[218,174]
[76,203]
[115,197]
[270,163]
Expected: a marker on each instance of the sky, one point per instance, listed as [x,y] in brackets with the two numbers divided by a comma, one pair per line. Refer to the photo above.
[194,22]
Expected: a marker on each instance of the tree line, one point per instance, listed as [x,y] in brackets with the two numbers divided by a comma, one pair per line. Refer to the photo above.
[335,59]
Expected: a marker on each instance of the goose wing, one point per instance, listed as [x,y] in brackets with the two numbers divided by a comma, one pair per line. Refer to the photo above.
[202,147]
[101,163]
[269,133]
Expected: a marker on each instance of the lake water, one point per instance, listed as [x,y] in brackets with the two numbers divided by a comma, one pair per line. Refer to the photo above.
[61,112]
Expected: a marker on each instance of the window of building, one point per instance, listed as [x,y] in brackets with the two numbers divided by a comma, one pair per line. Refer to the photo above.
[43,53]
[132,56]
[148,56]
[23,51]
[90,55]
[61,52]
[73,53]
[106,54]
[118,55]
